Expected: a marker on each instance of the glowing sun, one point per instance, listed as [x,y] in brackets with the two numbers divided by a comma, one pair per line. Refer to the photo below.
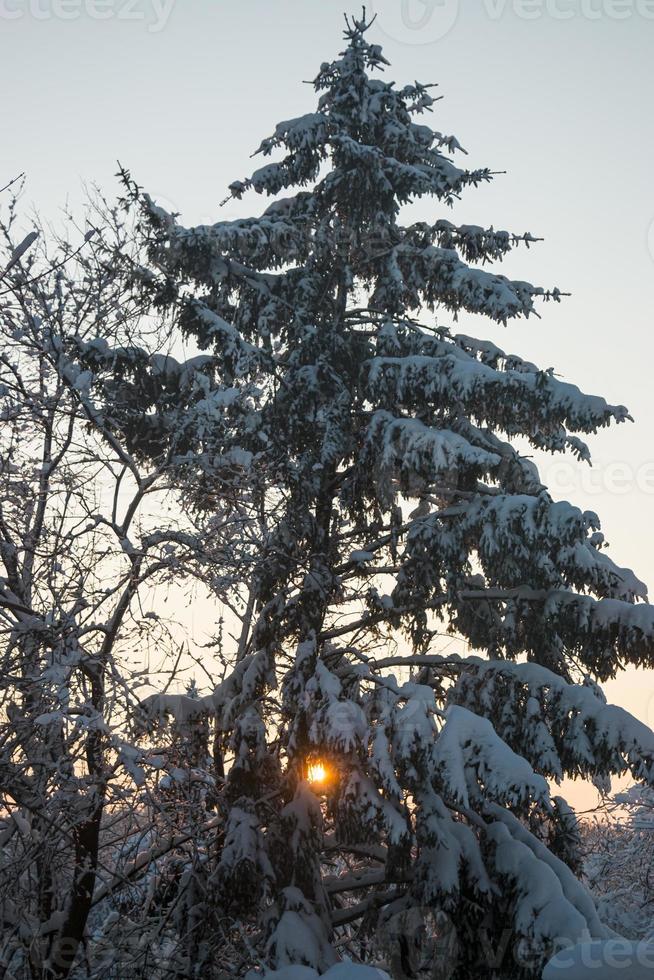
[317,772]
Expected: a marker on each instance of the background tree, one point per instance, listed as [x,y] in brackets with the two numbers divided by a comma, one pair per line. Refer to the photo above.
[90,542]
[619,863]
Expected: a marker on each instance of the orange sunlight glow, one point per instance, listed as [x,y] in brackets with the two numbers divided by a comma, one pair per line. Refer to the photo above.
[317,772]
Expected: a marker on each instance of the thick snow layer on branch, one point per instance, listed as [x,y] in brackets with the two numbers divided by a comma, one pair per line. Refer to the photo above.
[526,538]
[532,403]
[300,935]
[569,726]
[421,450]
[469,754]
[449,852]
[570,907]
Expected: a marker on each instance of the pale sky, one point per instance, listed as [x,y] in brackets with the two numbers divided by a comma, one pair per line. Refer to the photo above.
[556,92]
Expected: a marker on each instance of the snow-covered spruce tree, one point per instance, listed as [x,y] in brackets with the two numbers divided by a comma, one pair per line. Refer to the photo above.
[374,448]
